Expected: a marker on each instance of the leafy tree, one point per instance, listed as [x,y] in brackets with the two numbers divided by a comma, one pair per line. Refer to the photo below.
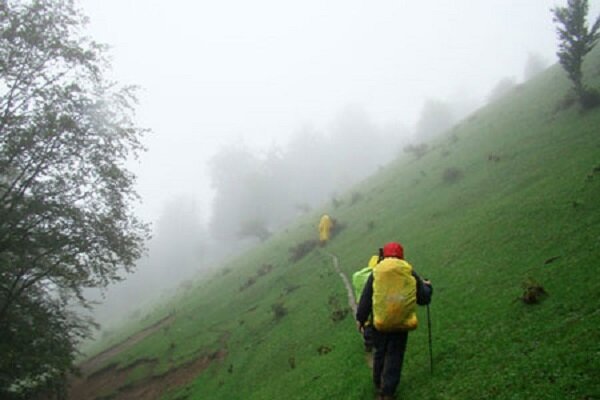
[65,193]
[576,40]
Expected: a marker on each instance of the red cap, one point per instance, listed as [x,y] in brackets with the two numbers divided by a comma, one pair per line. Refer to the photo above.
[393,249]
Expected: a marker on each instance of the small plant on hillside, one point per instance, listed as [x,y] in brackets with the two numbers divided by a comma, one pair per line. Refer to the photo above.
[289,288]
[251,281]
[279,311]
[265,269]
[493,157]
[418,150]
[339,314]
[452,175]
[337,227]
[533,292]
[575,41]
[370,225]
[302,249]
[356,197]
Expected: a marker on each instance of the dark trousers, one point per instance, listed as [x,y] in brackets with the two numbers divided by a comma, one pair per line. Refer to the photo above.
[368,337]
[387,360]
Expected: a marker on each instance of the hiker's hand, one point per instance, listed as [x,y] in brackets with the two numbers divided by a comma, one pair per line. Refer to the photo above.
[427,282]
[360,327]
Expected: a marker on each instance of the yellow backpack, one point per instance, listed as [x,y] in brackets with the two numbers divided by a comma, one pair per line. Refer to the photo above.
[394,296]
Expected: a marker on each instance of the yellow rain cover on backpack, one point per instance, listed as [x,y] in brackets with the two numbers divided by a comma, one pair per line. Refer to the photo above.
[394,296]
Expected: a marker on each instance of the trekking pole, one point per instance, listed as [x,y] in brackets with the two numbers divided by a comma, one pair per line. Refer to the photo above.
[430,349]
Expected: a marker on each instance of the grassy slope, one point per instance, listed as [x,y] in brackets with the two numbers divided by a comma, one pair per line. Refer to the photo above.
[477,239]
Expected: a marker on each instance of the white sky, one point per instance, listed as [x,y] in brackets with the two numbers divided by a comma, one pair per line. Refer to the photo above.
[219,71]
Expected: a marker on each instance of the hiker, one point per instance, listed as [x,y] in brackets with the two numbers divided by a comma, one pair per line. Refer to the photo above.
[390,295]
[325,225]
[359,279]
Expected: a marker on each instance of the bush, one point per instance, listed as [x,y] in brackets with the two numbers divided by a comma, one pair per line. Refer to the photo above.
[251,281]
[533,292]
[279,311]
[265,269]
[590,98]
[452,175]
[356,197]
[370,225]
[418,150]
[302,249]
[337,228]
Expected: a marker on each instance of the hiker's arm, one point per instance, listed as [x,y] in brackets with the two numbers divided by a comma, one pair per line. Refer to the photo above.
[365,305]
[424,290]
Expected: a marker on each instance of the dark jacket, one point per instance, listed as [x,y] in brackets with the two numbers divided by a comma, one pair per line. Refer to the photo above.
[365,305]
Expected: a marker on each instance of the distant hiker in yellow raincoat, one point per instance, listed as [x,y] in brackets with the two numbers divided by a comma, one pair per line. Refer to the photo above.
[325,226]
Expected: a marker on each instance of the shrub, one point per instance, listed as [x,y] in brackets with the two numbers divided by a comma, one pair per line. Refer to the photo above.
[533,292]
[279,311]
[302,249]
[265,269]
[337,227]
[452,175]
[565,103]
[251,281]
[370,225]
[339,314]
[356,197]
[418,150]
[589,98]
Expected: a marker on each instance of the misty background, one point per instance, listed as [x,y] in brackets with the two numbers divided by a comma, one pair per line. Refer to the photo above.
[262,111]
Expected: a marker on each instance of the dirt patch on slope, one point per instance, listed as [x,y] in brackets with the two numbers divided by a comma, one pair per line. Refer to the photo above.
[89,365]
[112,383]
[115,383]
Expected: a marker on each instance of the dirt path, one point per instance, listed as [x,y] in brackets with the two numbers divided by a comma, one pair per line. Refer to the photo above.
[351,299]
[345,280]
[88,366]
[99,381]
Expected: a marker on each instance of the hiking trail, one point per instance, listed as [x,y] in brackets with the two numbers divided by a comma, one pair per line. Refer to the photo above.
[351,299]
[89,365]
[345,280]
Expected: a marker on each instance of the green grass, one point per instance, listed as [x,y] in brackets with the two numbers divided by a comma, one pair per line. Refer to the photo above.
[477,239]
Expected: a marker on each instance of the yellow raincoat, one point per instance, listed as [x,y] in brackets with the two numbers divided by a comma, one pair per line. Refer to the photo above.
[325,226]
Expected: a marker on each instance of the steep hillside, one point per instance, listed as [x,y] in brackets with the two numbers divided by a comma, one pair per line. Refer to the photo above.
[509,195]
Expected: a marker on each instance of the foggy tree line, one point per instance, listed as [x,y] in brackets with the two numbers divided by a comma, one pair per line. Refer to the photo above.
[256,194]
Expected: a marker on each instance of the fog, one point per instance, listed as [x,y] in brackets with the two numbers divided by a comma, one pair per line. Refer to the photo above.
[262,110]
